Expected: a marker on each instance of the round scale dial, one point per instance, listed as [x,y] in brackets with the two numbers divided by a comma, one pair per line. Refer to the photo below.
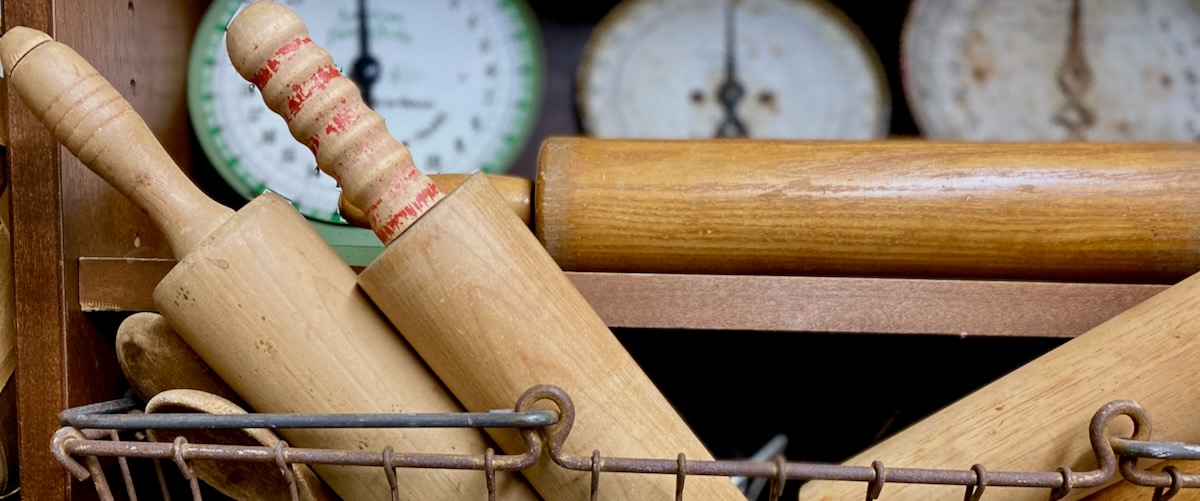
[784,69]
[457,81]
[1096,70]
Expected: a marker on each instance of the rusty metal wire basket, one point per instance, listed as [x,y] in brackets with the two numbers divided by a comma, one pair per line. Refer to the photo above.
[92,432]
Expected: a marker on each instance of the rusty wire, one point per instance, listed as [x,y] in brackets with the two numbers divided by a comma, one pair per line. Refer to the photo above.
[1112,454]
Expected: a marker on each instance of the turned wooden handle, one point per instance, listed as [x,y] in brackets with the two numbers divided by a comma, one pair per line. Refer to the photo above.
[270,47]
[516,192]
[87,115]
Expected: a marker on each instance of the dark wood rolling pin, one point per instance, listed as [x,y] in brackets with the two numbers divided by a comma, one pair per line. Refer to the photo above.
[465,281]
[1074,212]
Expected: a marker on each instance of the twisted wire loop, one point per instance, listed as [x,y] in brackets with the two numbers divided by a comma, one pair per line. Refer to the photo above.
[185,467]
[974,492]
[594,492]
[58,446]
[284,468]
[875,485]
[389,471]
[1176,484]
[780,478]
[1068,484]
[489,471]
[680,477]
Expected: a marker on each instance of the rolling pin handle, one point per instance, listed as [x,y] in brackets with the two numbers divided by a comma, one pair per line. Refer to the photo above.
[88,116]
[270,47]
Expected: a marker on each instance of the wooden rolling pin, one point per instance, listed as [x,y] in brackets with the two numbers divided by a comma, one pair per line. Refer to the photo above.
[466,282]
[258,294]
[1076,212]
[155,359]
[1036,417]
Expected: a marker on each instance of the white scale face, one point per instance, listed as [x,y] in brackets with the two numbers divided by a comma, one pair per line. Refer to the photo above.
[656,69]
[1097,70]
[457,81]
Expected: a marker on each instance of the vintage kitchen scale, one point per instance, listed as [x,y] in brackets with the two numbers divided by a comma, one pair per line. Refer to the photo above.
[1093,70]
[782,69]
[465,75]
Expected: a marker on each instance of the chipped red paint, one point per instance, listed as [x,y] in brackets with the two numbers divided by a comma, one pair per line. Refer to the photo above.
[313,144]
[347,116]
[393,224]
[301,92]
[282,54]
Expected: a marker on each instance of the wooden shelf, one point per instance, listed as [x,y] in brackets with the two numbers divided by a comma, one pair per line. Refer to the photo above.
[760,303]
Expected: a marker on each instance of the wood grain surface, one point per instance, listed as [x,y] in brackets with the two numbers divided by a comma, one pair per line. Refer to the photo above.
[471,289]
[489,311]
[253,295]
[277,314]
[1071,212]
[1034,418]
[155,359]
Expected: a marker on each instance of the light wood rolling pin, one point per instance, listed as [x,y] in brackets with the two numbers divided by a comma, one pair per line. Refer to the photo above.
[466,282]
[155,359]
[1075,212]
[257,293]
[171,377]
[1036,417]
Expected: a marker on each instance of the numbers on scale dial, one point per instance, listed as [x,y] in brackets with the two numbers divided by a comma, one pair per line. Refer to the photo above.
[1099,70]
[457,81]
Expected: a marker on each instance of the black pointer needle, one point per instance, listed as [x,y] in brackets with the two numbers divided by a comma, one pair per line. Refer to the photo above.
[730,92]
[365,70]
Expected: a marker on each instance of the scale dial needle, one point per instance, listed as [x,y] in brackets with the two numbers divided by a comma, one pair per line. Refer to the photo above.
[364,71]
[730,92]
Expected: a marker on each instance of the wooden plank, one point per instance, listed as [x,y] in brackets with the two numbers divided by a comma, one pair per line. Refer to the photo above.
[762,303]
[856,305]
[36,201]
[61,211]
[120,284]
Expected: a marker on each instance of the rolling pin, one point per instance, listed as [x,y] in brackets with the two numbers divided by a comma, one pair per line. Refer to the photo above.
[465,280]
[924,209]
[171,377]
[1036,417]
[155,359]
[258,294]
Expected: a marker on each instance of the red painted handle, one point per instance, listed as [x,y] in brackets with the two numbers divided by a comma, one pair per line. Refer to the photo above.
[269,45]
